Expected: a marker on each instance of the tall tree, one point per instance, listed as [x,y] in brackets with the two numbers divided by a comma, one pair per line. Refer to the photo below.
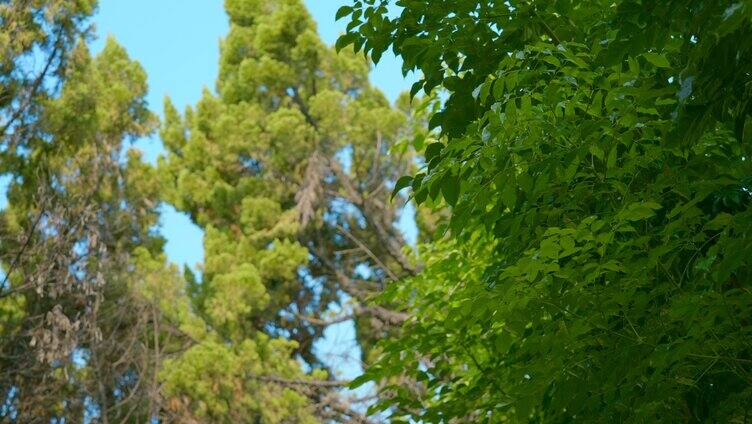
[287,171]
[82,331]
[596,158]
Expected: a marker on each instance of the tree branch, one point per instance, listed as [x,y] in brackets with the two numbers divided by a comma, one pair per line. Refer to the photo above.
[299,382]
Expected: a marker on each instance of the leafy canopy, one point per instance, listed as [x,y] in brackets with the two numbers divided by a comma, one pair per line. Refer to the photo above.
[596,158]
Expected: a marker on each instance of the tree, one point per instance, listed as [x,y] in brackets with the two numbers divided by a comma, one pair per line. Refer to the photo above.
[595,156]
[286,169]
[40,33]
[82,334]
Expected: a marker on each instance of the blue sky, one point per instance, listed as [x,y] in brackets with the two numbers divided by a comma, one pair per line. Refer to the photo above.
[177,43]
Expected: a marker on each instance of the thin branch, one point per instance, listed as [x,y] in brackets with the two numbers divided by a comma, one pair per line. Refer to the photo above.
[325,323]
[34,87]
[368,251]
[299,382]
[383,314]
[370,208]
[20,253]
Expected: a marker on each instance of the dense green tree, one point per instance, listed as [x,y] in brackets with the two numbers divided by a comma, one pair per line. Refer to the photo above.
[286,170]
[596,158]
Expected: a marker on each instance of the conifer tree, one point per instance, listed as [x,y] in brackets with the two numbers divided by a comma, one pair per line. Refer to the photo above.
[286,169]
[86,299]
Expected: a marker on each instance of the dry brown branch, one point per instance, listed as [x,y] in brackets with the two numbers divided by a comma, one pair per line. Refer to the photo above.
[310,191]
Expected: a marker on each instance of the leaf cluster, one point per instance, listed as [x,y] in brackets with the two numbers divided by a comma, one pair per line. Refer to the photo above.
[596,159]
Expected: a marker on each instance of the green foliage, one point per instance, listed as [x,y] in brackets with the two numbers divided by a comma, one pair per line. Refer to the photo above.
[85,267]
[596,157]
[220,381]
[46,31]
[94,322]
[253,166]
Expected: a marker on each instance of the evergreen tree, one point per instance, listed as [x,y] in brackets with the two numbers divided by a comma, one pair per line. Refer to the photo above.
[287,171]
[82,331]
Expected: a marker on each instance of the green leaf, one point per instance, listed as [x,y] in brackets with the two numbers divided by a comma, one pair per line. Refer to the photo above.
[433,150]
[345,40]
[596,105]
[450,188]
[482,91]
[434,188]
[509,195]
[359,381]
[402,182]
[552,60]
[658,60]
[436,120]
[569,109]
[376,55]
[354,23]
[549,249]
[419,141]
[665,102]
[571,170]
[634,66]
[510,109]
[567,245]
[721,221]
[421,195]
[596,151]
[418,181]
[639,211]
[526,105]
[498,89]
[417,86]
[342,12]
[611,162]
